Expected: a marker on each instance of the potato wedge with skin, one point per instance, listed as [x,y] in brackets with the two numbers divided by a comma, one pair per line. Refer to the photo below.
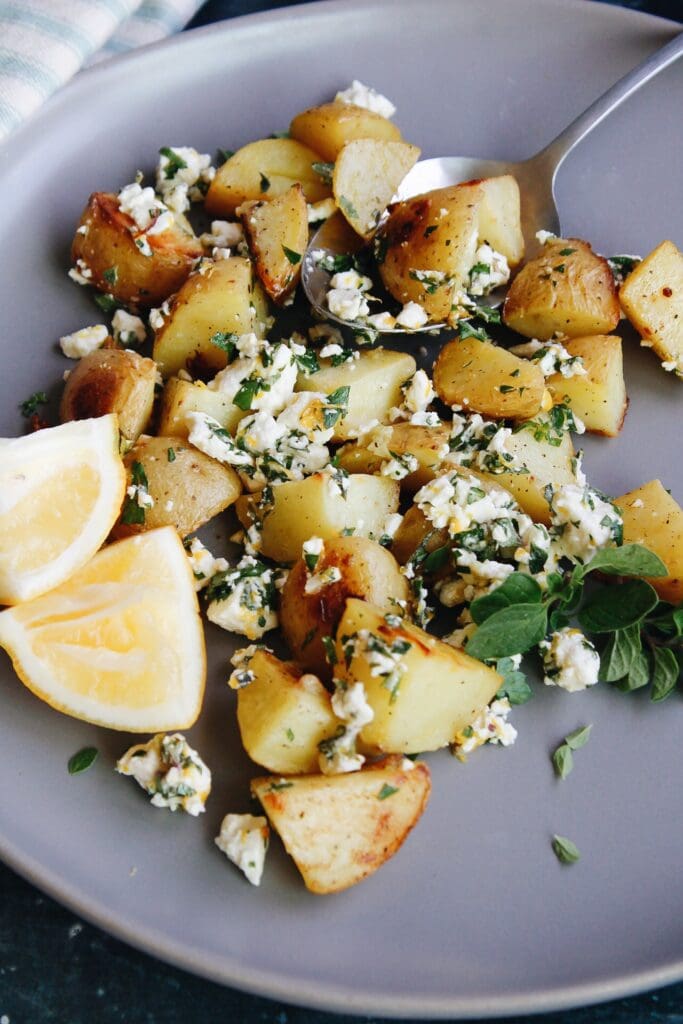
[597,397]
[223,297]
[106,245]
[429,244]
[368,571]
[277,233]
[416,529]
[482,377]
[429,445]
[315,507]
[568,289]
[434,690]
[500,221]
[328,128]
[283,715]
[111,380]
[339,829]
[181,397]
[188,488]
[264,170]
[653,518]
[652,298]
[375,379]
[367,174]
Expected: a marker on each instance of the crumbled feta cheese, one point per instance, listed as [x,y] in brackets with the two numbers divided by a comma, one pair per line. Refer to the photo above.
[350,705]
[82,343]
[582,520]
[268,375]
[490,269]
[81,273]
[347,303]
[412,316]
[204,565]
[391,525]
[360,95]
[244,841]
[142,206]
[551,357]
[244,599]
[139,494]
[570,660]
[242,674]
[321,210]
[182,175]
[157,317]
[351,279]
[383,321]
[224,234]
[544,237]
[127,329]
[170,771]
[490,726]
[399,466]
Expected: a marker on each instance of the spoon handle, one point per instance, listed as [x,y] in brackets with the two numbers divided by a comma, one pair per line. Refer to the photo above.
[554,153]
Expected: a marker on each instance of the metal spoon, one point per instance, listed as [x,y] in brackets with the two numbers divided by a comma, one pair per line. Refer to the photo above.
[535,177]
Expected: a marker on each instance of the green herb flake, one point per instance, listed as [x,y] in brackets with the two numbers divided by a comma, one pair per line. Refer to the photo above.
[264,182]
[347,208]
[563,760]
[565,850]
[111,275]
[428,231]
[82,760]
[323,170]
[170,454]
[560,268]
[290,735]
[292,256]
[107,303]
[275,787]
[30,405]
[566,252]
[387,791]
[579,737]
[226,341]
[174,162]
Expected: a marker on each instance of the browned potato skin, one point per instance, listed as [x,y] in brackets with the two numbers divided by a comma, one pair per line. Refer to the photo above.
[368,571]
[413,531]
[334,826]
[328,128]
[580,299]
[270,228]
[471,373]
[198,486]
[111,380]
[418,236]
[141,281]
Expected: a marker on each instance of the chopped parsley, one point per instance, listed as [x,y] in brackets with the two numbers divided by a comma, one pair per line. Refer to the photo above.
[264,182]
[174,162]
[30,405]
[292,256]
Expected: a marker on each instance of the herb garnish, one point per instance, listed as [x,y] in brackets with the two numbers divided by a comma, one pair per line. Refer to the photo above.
[562,758]
[30,405]
[565,850]
[292,256]
[82,760]
[386,791]
[323,170]
[174,163]
[264,183]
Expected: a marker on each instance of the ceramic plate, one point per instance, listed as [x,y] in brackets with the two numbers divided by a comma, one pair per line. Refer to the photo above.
[474,916]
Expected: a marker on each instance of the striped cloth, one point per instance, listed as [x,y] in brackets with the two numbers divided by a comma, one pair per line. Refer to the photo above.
[43,43]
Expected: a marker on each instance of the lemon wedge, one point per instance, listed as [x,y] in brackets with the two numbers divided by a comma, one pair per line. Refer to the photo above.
[60,493]
[121,643]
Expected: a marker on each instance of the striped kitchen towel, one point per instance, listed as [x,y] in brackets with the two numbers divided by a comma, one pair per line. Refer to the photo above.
[44,42]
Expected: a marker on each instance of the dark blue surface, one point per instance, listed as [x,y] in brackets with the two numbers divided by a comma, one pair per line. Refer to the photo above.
[54,968]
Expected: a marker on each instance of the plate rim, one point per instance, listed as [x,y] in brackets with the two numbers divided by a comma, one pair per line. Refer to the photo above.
[225,969]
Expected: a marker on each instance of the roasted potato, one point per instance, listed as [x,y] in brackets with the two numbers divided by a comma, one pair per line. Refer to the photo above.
[328,128]
[106,246]
[429,445]
[428,245]
[367,174]
[111,380]
[277,233]
[652,298]
[485,378]
[283,715]
[264,170]
[568,289]
[187,487]
[500,223]
[375,379]
[316,507]
[339,829]
[368,571]
[221,297]
[545,463]
[181,397]
[434,692]
[597,397]
[415,529]
[653,518]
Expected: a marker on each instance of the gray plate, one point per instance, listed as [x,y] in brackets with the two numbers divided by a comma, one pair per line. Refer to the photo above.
[474,916]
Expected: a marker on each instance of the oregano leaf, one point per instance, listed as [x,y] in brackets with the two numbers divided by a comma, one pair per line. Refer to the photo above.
[617,607]
[511,630]
[664,674]
[518,588]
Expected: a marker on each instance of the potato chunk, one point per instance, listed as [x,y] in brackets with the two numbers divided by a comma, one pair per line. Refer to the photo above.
[485,378]
[653,518]
[106,245]
[187,487]
[428,245]
[545,464]
[500,221]
[429,445]
[181,397]
[375,379]
[341,828]
[224,297]
[597,397]
[567,289]
[367,174]
[277,233]
[652,298]
[111,380]
[283,715]
[316,507]
[264,170]
[433,692]
[367,571]
[328,128]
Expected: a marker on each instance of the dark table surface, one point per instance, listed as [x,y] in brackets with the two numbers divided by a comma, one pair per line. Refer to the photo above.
[55,968]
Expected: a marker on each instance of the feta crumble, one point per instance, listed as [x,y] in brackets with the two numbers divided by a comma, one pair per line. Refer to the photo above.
[350,705]
[582,520]
[243,839]
[128,330]
[183,175]
[412,316]
[244,599]
[171,772]
[82,343]
[360,95]
[570,660]
[490,726]
[204,565]
[489,271]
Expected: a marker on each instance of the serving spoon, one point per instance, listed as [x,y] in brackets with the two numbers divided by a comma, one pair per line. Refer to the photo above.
[535,177]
